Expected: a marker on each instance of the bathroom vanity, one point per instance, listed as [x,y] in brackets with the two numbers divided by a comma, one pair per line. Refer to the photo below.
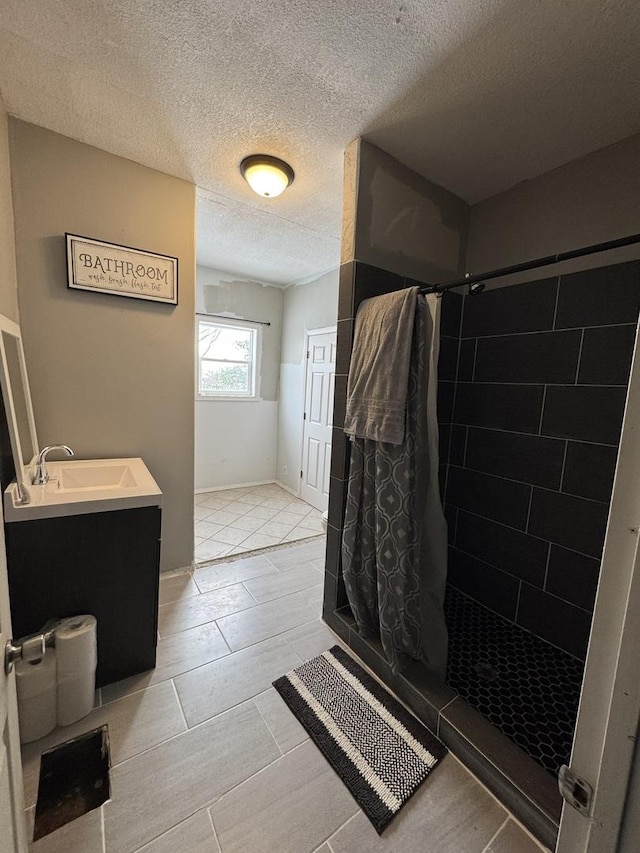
[89,542]
[82,536]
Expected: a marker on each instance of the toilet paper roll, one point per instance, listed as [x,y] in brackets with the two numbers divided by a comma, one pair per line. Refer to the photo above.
[36,685]
[77,653]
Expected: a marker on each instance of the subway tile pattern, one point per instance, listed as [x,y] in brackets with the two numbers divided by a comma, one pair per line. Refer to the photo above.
[541,387]
[539,400]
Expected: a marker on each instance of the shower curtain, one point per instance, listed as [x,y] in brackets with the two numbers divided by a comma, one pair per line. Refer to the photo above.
[394,545]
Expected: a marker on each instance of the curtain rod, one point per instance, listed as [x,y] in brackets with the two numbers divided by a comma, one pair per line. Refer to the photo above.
[476,282]
[241,320]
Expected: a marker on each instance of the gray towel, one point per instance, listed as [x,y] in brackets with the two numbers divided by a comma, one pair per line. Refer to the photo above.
[379,372]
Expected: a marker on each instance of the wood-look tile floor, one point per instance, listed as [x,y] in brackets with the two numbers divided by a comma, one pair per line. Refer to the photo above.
[236,521]
[208,759]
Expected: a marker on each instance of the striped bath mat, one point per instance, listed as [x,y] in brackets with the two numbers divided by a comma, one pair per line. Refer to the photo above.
[381,753]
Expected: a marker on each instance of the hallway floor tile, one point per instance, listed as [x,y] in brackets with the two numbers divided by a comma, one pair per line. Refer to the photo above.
[235,521]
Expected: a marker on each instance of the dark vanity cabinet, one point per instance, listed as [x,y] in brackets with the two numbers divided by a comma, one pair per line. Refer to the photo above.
[103,563]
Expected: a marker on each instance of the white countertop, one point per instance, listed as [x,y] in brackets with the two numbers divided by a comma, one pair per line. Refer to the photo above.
[82,486]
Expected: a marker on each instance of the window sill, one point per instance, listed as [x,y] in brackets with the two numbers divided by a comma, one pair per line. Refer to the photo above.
[202,399]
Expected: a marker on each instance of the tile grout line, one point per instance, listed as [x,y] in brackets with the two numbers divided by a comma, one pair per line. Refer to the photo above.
[546,571]
[271,636]
[541,331]
[102,830]
[189,730]
[267,726]
[327,840]
[548,642]
[170,829]
[555,307]
[518,597]
[213,828]
[243,585]
[234,612]
[213,802]
[487,848]
[526,526]
[544,399]
[178,700]
[517,577]
[579,358]
[564,465]
[520,530]
[534,384]
[226,642]
[215,716]
[534,434]
[523,483]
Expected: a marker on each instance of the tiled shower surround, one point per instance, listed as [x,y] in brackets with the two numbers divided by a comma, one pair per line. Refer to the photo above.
[532,386]
[532,396]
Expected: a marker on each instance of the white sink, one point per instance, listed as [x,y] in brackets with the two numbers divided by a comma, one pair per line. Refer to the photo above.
[95,477]
[83,486]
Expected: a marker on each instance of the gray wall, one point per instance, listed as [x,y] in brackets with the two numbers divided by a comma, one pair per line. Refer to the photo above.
[110,376]
[395,219]
[236,440]
[306,306]
[590,200]
[8,292]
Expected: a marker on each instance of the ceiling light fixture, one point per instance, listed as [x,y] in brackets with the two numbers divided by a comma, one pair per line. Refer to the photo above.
[268,176]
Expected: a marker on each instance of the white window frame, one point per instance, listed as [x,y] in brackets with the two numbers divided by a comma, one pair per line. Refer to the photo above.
[255,363]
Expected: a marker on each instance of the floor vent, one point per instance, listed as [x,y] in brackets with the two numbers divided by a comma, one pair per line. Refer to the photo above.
[74,780]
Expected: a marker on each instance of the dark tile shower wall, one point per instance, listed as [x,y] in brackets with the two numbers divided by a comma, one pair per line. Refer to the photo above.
[539,398]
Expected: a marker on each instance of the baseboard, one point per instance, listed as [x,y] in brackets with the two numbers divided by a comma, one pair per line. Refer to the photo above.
[180,571]
[286,488]
[237,486]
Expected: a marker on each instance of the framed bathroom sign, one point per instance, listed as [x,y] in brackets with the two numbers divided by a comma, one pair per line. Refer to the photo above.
[121,270]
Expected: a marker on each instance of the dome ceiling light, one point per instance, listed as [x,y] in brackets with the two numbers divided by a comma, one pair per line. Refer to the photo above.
[268,176]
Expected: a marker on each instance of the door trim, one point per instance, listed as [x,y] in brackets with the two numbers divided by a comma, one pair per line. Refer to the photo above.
[609,711]
[308,333]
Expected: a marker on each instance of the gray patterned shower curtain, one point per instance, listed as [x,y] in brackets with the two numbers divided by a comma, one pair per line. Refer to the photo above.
[394,544]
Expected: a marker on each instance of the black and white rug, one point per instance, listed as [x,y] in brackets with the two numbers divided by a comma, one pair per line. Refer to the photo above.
[379,750]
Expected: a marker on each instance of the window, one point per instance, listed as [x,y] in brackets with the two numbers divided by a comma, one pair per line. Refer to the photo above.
[227,360]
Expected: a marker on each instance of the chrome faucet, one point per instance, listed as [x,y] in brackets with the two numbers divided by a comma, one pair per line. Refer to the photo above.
[41,475]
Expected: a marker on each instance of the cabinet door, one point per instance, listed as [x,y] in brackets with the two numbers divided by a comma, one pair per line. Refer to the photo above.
[106,564]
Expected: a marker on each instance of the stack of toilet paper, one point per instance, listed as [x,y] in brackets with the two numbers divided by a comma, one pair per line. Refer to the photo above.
[59,688]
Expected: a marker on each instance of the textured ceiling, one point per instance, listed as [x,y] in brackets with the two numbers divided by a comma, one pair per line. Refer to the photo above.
[477,95]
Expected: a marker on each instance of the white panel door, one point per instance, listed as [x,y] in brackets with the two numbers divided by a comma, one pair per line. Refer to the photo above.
[12,821]
[318,418]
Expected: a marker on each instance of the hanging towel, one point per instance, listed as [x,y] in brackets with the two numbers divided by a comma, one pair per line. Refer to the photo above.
[379,372]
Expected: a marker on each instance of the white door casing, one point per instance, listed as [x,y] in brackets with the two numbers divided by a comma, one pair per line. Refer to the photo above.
[609,710]
[12,817]
[318,417]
